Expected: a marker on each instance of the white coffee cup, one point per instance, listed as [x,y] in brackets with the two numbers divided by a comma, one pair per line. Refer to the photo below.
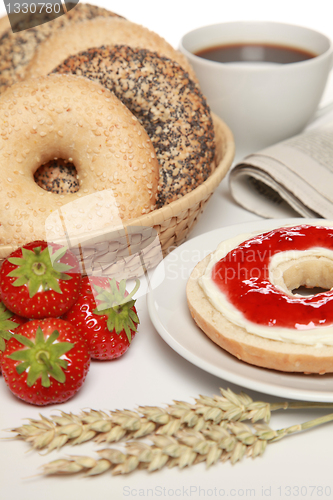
[262,103]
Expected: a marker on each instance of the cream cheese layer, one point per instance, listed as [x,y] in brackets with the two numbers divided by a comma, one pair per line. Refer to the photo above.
[284,273]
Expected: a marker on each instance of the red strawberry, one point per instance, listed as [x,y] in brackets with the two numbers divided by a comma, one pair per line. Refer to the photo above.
[40,280]
[8,322]
[107,321]
[45,361]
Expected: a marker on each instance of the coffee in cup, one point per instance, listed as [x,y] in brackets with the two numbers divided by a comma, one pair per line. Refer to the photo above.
[264,79]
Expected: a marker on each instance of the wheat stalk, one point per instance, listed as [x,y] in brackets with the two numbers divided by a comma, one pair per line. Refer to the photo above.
[226,441]
[101,427]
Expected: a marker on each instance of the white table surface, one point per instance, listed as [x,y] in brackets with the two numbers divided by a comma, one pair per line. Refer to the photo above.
[151,373]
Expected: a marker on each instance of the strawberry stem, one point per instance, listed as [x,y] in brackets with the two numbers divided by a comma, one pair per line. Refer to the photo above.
[133,292]
[42,358]
[39,268]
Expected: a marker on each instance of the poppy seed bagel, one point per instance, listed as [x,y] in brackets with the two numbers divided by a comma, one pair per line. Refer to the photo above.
[57,176]
[167,103]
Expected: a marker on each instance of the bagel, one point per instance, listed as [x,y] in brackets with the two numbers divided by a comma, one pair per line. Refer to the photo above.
[242,297]
[77,120]
[94,33]
[168,104]
[17,49]
[4,25]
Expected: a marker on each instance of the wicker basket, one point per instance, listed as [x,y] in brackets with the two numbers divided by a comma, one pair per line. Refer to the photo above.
[141,243]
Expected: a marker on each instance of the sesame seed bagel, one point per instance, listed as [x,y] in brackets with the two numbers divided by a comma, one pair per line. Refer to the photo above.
[79,121]
[4,24]
[17,49]
[168,104]
[95,33]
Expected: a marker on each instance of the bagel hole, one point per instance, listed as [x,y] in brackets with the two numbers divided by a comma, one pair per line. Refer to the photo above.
[310,277]
[308,292]
[57,176]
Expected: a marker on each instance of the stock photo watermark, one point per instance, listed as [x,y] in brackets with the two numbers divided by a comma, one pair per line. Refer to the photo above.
[262,491]
[26,14]
[246,265]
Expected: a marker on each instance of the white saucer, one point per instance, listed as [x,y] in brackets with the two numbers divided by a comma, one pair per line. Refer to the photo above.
[170,316]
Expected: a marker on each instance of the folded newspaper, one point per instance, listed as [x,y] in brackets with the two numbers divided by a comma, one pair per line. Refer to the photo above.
[291,178]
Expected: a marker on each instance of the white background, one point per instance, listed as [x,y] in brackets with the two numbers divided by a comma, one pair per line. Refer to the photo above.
[151,373]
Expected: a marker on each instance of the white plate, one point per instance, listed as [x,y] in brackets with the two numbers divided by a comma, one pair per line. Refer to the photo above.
[170,315]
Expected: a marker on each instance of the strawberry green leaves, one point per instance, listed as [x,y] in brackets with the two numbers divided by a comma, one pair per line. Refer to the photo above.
[6,325]
[40,280]
[105,316]
[45,361]
[39,269]
[41,358]
[114,304]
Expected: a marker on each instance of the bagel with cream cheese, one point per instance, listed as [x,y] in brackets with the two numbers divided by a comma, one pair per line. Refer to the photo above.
[245,298]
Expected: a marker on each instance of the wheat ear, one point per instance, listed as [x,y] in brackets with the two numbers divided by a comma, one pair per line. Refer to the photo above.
[68,428]
[227,441]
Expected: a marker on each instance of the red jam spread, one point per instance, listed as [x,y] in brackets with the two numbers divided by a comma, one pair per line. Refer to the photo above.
[243,276]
